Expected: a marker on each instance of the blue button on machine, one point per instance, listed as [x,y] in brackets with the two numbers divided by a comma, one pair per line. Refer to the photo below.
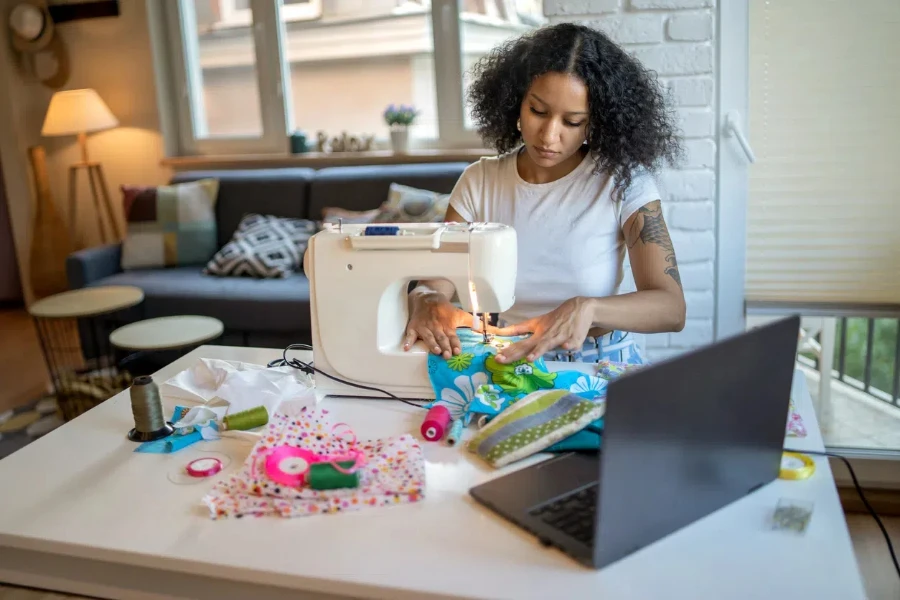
[382,230]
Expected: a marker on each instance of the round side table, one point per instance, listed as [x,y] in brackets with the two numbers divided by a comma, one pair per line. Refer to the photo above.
[154,337]
[73,331]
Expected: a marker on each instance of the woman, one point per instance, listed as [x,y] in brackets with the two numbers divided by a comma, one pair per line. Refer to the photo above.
[579,126]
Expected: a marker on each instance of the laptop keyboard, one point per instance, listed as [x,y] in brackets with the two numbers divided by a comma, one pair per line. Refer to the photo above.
[572,514]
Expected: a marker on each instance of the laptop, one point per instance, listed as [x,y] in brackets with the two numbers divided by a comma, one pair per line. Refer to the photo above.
[681,439]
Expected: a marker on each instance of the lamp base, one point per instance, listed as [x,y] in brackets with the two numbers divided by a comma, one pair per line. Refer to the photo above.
[97,181]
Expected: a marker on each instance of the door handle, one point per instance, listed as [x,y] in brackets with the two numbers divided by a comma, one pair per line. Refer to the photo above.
[733,129]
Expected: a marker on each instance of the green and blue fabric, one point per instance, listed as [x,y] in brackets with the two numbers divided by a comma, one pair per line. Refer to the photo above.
[473,383]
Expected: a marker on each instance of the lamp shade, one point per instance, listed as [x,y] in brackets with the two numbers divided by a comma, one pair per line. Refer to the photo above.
[77,111]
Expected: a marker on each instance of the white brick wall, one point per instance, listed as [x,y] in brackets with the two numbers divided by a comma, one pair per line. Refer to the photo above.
[676,39]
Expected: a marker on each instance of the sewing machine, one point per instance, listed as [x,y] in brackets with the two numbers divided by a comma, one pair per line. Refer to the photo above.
[358,287]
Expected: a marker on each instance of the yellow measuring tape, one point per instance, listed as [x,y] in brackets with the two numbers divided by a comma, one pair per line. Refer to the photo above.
[796,466]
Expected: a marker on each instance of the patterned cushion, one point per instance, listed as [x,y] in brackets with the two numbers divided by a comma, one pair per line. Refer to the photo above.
[169,225]
[263,246]
[404,204]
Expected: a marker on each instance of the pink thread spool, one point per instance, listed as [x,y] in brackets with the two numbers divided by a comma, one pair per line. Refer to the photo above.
[435,424]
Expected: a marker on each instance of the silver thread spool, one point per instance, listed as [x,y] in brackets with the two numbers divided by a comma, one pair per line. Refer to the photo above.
[146,407]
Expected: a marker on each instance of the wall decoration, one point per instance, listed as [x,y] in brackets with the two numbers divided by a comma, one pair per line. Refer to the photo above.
[40,53]
[344,142]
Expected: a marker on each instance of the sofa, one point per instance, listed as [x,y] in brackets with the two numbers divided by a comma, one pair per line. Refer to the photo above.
[256,312]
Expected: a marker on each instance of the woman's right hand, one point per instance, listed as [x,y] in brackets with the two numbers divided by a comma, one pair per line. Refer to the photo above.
[434,321]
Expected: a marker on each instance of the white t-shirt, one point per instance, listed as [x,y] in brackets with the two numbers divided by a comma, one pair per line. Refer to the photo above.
[569,231]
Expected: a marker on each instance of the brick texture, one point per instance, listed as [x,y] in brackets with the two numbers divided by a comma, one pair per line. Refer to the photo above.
[696,123]
[677,59]
[631,28]
[692,216]
[692,28]
[688,185]
[579,7]
[692,91]
[700,153]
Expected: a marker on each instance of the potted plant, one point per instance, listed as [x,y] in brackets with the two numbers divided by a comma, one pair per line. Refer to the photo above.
[399,119]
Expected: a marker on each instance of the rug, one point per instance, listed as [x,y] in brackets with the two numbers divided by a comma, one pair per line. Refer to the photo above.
[21,426]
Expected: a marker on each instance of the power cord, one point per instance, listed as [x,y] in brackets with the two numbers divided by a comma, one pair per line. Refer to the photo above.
[309,368]
[862,496]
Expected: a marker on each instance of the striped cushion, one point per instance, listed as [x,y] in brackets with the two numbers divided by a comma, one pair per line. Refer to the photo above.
[533,424]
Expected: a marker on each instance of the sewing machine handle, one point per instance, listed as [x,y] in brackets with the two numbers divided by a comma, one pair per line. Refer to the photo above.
[397,242]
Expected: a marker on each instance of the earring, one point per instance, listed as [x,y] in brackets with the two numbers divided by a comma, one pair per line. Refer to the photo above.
[519,124]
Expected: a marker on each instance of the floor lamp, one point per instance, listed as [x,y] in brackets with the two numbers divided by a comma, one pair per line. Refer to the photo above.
[79,112]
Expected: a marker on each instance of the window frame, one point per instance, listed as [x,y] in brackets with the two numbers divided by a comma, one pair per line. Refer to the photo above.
[172,28]
[187,107]
[242,17]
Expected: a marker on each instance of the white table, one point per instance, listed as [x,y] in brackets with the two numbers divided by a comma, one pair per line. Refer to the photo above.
[81,512]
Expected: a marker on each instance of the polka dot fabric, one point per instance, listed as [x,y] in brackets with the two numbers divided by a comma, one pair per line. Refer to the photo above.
[394,473]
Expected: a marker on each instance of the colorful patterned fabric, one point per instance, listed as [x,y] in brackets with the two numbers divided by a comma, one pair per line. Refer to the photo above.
[170,225]
[263,246]
[394,472]
[532,424]
[474,383]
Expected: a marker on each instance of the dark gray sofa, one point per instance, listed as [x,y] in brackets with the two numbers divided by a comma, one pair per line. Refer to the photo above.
[257,312]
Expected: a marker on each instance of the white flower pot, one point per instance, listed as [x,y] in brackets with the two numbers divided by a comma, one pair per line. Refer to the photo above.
[400,139]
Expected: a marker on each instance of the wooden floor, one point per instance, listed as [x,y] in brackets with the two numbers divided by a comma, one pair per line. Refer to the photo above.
[23,374]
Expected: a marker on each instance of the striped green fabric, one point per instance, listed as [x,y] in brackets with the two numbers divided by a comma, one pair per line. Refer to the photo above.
[532,424]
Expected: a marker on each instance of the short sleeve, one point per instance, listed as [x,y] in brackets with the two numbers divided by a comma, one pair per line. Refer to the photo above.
[465,197]
[642,191]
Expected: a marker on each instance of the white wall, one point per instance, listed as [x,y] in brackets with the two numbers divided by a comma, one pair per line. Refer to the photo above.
[676,38]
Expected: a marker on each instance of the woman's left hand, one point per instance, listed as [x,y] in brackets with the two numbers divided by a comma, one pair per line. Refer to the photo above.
[565,327]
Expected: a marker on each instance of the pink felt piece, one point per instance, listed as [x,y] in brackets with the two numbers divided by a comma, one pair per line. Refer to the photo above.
[392,472]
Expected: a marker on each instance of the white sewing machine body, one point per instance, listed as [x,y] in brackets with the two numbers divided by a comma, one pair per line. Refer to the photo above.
[358,288]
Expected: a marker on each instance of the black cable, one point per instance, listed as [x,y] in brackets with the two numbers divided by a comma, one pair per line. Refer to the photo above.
[309,368]
[862,496]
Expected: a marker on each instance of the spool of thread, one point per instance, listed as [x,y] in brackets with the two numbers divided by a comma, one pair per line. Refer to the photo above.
[456,431]
[289,465]
[796,466]
[203,467]
[323,476]
[435,424]
[147,410]
[246,419]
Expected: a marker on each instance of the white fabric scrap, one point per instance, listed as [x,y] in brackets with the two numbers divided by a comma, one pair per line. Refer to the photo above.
[240,386]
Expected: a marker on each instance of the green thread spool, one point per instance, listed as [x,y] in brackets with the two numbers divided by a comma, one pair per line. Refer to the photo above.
[323,476]
[247,419]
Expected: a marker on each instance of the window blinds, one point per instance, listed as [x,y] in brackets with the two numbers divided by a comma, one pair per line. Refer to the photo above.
[823,220]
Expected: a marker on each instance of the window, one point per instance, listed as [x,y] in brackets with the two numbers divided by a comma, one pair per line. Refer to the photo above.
[824,197]
[245,73]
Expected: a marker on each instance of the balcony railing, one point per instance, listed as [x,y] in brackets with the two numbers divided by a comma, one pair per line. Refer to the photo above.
[867,356]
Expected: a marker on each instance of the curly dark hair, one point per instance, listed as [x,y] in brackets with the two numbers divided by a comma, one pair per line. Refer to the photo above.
[630,124]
